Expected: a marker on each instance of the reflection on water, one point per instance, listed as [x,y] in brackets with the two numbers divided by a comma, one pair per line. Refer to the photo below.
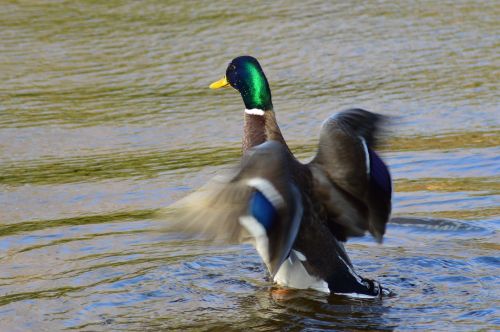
[105,118]
[151,163]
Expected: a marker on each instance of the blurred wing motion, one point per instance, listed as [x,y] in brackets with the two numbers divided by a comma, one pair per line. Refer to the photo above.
[351,179]
[257,203]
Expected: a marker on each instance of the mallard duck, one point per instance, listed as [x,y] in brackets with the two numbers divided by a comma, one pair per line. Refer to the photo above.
[297,215]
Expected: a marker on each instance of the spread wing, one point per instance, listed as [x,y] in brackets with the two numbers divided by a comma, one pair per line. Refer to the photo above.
[257,203]
[350,178]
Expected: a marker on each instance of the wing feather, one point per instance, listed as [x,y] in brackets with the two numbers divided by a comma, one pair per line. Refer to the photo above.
[354,182]
[261,184]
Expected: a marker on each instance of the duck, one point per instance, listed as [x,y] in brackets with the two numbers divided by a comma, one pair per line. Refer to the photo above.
[297,215]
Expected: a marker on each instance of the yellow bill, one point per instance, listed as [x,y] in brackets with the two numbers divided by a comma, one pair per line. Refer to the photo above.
[219,84]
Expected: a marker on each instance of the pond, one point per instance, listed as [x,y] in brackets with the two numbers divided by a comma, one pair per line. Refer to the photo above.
[106,117]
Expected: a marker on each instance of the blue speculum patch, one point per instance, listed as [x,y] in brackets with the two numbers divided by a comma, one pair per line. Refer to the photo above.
[379,173]
[262,210]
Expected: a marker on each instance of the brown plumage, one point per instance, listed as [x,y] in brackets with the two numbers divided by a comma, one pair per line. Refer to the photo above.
[297,215]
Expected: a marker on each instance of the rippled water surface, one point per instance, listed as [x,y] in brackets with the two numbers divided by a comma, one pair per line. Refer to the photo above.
[105,117]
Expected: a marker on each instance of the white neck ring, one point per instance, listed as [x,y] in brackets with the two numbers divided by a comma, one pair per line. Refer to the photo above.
[254,111]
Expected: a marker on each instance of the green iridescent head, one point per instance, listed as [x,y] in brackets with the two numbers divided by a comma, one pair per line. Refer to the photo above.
[245,74]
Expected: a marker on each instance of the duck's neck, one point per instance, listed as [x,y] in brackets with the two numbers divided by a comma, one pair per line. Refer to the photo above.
[260,126]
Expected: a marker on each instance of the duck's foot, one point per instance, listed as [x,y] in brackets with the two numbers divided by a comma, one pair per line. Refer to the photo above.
[376,288]
[282,294]
[360,288]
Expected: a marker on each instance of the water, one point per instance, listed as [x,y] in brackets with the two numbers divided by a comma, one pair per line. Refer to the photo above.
[105,117]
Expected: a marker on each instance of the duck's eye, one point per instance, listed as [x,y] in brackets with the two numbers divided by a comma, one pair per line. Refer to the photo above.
[232,67]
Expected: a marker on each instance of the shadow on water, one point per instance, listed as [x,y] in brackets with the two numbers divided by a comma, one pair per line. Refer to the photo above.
[303,309]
